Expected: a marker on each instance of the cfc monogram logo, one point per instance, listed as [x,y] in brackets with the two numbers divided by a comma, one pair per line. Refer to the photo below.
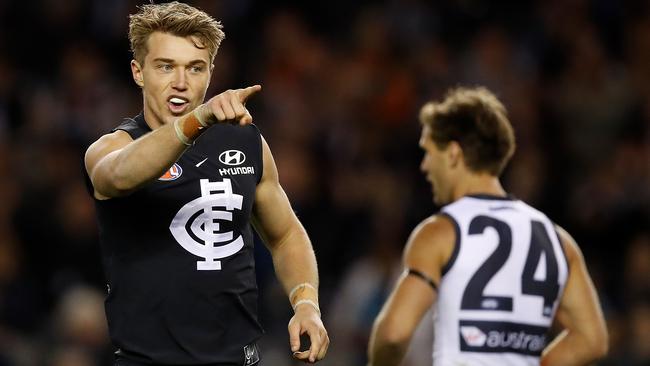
[196,229]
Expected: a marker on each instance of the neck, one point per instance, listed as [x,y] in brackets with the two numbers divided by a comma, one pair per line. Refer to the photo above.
[481,183]
[151,119]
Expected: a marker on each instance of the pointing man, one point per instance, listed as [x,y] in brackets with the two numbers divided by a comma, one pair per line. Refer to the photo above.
[177,189]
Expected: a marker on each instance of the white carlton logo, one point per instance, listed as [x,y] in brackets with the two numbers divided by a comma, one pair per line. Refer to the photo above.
[232,157]
[197,220]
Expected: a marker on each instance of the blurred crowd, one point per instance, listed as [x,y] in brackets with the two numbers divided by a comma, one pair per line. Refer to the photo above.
[342,85]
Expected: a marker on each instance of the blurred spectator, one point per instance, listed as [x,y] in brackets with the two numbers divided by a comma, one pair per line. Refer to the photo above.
[639,320]
[78,334]
[637,269]
[362,291]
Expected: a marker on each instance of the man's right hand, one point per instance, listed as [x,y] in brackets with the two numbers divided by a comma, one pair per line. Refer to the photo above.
[227,106]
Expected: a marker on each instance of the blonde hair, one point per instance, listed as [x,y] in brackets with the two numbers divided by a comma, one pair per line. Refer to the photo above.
[478,121]
[175,18]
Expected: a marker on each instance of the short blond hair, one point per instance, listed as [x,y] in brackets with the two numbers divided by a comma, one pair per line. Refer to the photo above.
[478,121]
[175,18]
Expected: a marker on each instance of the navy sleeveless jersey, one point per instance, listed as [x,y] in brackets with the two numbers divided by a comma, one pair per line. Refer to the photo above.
[178,254]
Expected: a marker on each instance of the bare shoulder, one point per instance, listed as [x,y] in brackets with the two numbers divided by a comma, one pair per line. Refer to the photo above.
[118,137]
[571,248]
[105,145]
[431,245]
[434,228]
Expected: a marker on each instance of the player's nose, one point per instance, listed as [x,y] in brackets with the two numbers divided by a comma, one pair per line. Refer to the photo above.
[180,80]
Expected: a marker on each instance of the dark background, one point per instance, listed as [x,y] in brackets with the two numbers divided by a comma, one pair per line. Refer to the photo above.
[343,82]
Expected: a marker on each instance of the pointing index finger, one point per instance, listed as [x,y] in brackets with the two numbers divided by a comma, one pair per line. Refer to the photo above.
[245,93]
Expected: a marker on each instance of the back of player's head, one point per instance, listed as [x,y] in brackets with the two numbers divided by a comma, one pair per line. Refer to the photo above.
[175,18]
[477,121]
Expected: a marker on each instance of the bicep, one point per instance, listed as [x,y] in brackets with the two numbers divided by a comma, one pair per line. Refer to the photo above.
[273,217]
[579,308]
[427,249]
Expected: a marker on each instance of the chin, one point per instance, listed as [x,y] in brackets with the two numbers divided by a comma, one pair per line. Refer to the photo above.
[171,116]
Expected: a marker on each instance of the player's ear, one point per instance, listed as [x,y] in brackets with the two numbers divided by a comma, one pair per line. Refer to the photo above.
[454,154]
[136,71]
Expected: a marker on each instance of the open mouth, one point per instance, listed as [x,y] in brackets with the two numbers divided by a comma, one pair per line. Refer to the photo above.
[177,105]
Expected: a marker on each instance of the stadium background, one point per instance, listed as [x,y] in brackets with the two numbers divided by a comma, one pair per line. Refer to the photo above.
[343,81]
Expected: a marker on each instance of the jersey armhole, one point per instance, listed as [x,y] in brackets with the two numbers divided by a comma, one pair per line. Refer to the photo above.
[454,254]
[260,153]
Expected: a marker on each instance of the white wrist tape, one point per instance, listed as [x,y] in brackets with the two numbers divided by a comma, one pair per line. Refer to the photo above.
[181,136]
[307,301]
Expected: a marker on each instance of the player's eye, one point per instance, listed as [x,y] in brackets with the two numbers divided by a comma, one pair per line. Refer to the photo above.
[196,69]
[165,67]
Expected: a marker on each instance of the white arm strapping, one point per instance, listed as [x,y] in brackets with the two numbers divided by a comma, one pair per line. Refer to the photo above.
[306,301]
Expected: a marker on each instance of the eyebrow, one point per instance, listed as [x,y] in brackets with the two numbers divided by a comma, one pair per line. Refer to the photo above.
[171,61]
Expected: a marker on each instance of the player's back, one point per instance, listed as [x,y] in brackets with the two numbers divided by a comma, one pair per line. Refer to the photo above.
[499,292]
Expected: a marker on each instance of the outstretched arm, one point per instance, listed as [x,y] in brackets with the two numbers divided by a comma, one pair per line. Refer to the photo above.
[293,259]
[428,249]
[117,165]
[584,339]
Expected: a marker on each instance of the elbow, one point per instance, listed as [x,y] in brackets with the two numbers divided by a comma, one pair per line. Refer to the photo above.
[389,340]
[602,351]
[600,345]
[600,340]
[596,344]
[121,179]
[115,186]
[391,334]
[122,185]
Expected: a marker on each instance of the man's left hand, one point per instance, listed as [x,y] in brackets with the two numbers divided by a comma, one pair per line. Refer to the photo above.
[307,320]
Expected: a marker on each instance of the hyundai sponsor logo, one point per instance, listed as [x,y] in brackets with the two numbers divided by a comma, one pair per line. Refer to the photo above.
[238,170]
[232,157]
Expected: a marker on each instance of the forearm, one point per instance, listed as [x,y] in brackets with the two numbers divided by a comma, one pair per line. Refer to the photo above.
[294,261]
[144,159]
[569,349]
[295,266]
[382,350]
[383,354]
